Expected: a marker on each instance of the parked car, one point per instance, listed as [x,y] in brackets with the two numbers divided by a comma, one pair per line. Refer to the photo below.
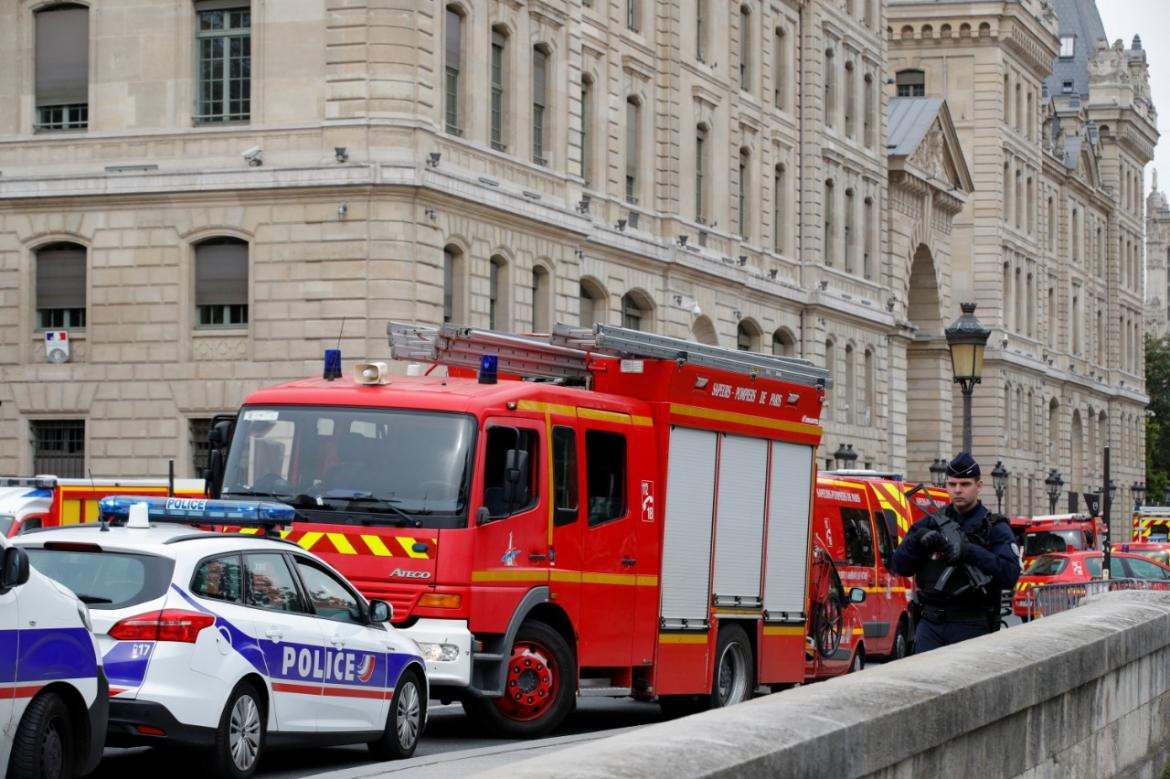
[1158,551]
[232,643]
[1081,566]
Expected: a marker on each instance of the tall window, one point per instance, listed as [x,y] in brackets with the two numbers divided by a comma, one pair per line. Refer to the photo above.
[453,310]
[700,172]
[867,118]
[870,389]
[592,304]
[746,338]
[850,234]
[632,11]
[62,67]
[831,367]
[453,56]
[499,78]
[745,48]
[224,43]
[1068,45]
[499,316]
[830,106]
[745,183]
[850,384]
[633,135]
[779,209]
[1051,224]
[910,83]
[828,207]
[1052,322]
[60,292]
[59,447]
[783,344]
[539,102]
[701,30]
[850,97]
[221,283]
[779,68]
[541,300]
[633,312]
[587,112]
[870,239]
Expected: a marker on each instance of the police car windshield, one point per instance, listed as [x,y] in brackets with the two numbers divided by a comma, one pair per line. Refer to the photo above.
[105,580]
[355,465]
[1050,541]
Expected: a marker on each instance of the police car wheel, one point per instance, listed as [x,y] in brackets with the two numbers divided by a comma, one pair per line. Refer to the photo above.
[239,740]
[43,745]
[404,723]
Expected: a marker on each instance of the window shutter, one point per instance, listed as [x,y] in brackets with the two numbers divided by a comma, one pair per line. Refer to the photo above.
[62,56]
[61,277]
[221,273]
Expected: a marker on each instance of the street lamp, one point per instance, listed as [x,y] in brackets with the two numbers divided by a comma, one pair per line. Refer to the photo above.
[938,472]
[845,456]
[1054,484]
[967,338]
[1166,494]
[999,478]
[1139,493]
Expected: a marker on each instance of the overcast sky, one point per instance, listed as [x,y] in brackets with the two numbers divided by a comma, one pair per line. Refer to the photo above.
[1151,20]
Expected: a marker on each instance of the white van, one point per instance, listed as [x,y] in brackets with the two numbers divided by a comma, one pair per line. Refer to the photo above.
[54,698]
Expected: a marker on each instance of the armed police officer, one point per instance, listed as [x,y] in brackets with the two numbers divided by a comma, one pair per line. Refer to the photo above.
[963,557]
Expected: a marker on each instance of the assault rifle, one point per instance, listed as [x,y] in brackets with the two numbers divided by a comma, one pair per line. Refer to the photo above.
[949,528]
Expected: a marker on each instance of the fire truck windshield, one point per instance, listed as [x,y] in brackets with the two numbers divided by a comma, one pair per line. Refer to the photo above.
[355,465]
[1048,541]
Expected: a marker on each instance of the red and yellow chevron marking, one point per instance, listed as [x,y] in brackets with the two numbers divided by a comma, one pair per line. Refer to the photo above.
[891,497]
[356,543]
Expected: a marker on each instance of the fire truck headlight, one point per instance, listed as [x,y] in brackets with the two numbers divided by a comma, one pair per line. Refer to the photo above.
[439,653]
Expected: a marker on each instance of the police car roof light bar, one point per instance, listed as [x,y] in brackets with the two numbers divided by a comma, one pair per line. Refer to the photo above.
[115,509]
[35,482]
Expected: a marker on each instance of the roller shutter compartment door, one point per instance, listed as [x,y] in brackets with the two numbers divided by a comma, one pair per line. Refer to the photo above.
[739,526]
[788,520]
[686,543]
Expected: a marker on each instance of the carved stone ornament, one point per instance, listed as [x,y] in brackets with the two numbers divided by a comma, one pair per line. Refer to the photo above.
[930,156]
[1108,63]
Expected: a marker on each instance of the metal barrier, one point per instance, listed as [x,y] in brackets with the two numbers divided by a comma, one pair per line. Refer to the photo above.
[1052,599]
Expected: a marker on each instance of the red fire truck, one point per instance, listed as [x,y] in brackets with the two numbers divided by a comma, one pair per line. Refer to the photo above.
[1057,533]
[630,519]
[31,502]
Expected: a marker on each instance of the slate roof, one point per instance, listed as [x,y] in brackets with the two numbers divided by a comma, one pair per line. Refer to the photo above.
[907,122]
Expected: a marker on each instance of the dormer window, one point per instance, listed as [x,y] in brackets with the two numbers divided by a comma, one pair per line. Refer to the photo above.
[1068,45]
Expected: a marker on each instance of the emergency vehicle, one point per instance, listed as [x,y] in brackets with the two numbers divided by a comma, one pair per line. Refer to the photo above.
[1151,523]
[229,643]
[834,644]
[860,517]
[30,502]
[632,520]
[1082,566]
[53,692]
[1055,533]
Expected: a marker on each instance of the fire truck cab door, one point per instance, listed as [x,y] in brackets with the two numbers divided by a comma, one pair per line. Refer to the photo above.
[512,550]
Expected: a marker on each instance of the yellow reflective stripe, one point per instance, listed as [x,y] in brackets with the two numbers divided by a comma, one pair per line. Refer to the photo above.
[609,578]
[308,539]
[579,577]
[521,575]
[341,543]
[559,409]
[407,543]
[884,589]
[601,415]
[376,547]
[647,581]
[783,630]
[250,531]
[744,419]
[738,612]
[682,638]
[568,577]
[834,483]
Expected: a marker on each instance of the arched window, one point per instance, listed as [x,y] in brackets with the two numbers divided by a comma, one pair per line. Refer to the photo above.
[783,343]
[60,286]
[499,289]
[592,303]
[221,283]
[747,337]
[910,83]
[540,67]
[62,67]
[704,332]
[636,312]
[541,300]
[499,76]
[454,308]
[453,65]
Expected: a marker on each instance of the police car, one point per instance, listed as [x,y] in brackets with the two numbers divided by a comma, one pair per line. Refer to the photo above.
[53,700]
[233,642]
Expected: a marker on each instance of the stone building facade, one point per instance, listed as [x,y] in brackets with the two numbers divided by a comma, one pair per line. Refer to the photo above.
[205,215]
[1157,263]
[1058,126]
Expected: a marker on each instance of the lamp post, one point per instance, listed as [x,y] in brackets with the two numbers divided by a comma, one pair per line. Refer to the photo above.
[938,472]
[849,456]
[1054,484]
[840,456]
[967,338]
[999,478]
[1166,494]
[1139,493]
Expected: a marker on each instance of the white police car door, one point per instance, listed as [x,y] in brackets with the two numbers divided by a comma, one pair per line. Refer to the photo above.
[355,698]
[294,645]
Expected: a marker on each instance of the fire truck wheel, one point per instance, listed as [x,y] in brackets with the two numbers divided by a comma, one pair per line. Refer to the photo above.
[538,691]
[734,677]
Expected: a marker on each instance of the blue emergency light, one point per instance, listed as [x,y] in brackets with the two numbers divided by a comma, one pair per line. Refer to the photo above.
[332,364]
[116,508]
[489,369]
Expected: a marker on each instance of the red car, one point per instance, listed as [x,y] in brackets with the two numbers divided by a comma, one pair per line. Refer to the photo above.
[1158,551]
[1082,566]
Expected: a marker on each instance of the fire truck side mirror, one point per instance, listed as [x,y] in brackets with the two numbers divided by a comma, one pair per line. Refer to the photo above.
[856,595]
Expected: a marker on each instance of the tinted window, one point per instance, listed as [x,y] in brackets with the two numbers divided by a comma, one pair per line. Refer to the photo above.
[510,471]
[1143,569]
[565,488]
[1161,557]
[105,580]
[220,578]
[1049,566]
[605,461]
[270,584]
[1053,541]
[1094,564]
[885,547]
[329,597]
[858,537]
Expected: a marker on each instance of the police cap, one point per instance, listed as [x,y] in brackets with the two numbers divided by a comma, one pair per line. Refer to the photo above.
[963,467]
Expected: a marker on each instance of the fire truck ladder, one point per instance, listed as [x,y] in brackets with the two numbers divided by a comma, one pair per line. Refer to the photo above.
[623,342]
[463,347]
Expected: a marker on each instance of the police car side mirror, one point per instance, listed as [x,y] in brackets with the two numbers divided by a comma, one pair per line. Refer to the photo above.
[381,611]
[856,595]
[14,569]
